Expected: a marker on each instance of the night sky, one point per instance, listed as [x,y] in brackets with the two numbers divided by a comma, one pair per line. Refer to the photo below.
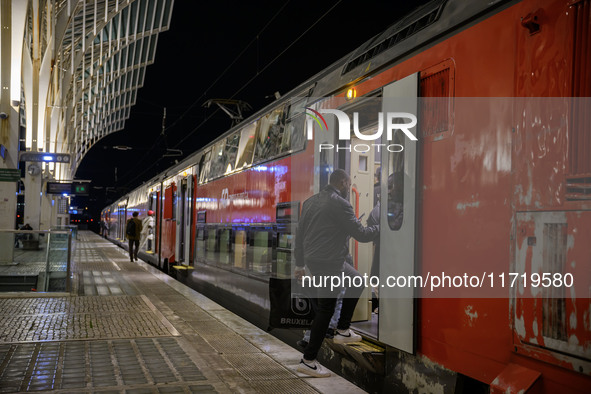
[223,49]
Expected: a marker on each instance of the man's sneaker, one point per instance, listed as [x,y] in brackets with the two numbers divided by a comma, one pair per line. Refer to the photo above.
[313,368]
[346,336]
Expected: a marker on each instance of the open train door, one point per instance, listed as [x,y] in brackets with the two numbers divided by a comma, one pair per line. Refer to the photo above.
[399,183]
[362,172]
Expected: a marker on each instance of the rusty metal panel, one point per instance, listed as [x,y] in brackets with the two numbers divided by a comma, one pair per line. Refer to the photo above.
[551,321]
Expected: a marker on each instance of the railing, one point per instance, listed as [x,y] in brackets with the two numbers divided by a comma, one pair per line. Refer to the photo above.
[35,260]
[71,227]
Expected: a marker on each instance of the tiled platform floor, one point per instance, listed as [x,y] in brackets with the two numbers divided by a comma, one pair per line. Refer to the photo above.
[127,328]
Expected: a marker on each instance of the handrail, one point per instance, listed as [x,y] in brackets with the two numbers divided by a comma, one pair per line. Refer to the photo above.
[356,247]
[2,230]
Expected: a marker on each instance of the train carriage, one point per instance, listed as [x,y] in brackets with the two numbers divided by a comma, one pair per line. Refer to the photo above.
[496,183]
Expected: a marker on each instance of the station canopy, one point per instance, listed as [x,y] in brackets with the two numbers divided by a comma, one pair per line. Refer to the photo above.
[102,50]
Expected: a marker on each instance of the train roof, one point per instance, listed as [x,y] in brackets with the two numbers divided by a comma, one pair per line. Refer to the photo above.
[423,27]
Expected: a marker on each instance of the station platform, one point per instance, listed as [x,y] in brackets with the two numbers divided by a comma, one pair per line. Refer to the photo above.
[128,328]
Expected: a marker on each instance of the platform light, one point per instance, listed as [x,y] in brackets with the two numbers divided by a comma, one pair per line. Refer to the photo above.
[47,158]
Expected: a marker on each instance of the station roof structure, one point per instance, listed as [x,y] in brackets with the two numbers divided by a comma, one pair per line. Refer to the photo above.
[83,62]
[103,49]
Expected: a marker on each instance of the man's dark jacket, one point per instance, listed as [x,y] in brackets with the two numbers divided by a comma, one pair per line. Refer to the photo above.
[326,222]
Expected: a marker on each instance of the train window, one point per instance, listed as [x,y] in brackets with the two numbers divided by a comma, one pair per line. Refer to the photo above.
[269,135]
[152,201]
[218,160]
[396,185]
[363,163]
[204,166]
[262,251]
[284,258]
[225,255]
[231,151]
[240,243]
[200,244]
[294,137]
[224,156]
[246,146]
[211,245]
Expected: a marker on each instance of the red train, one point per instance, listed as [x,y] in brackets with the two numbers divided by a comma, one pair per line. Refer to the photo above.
[497,186]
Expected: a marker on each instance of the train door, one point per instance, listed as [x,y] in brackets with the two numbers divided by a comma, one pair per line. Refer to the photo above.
[152,222]
[362,165]
[158,241]
[398,206]
[184,205]
[168,230]
[180,225]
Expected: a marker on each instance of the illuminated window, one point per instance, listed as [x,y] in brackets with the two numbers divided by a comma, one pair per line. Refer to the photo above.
[262,251]
[225,255]
[269,135]
[246,146]
[240,247]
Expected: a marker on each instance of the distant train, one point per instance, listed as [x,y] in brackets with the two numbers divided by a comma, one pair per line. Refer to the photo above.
[497,185]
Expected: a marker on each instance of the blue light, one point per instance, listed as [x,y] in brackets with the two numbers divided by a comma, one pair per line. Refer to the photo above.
[47,158]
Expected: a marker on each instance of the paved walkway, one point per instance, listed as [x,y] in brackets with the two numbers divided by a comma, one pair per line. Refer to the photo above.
[128,328]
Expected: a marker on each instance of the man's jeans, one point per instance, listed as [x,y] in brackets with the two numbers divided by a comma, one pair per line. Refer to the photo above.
[335,316]
[326,309]
[133,251]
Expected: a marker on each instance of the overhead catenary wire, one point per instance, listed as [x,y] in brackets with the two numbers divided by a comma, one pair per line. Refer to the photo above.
[264,68]
[255,39]
[189,134]
[139,175]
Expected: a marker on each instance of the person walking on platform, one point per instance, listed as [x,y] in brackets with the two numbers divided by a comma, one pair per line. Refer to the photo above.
[133,230]
[326,222]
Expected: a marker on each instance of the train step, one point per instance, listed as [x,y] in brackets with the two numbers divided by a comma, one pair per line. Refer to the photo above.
[367,354]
